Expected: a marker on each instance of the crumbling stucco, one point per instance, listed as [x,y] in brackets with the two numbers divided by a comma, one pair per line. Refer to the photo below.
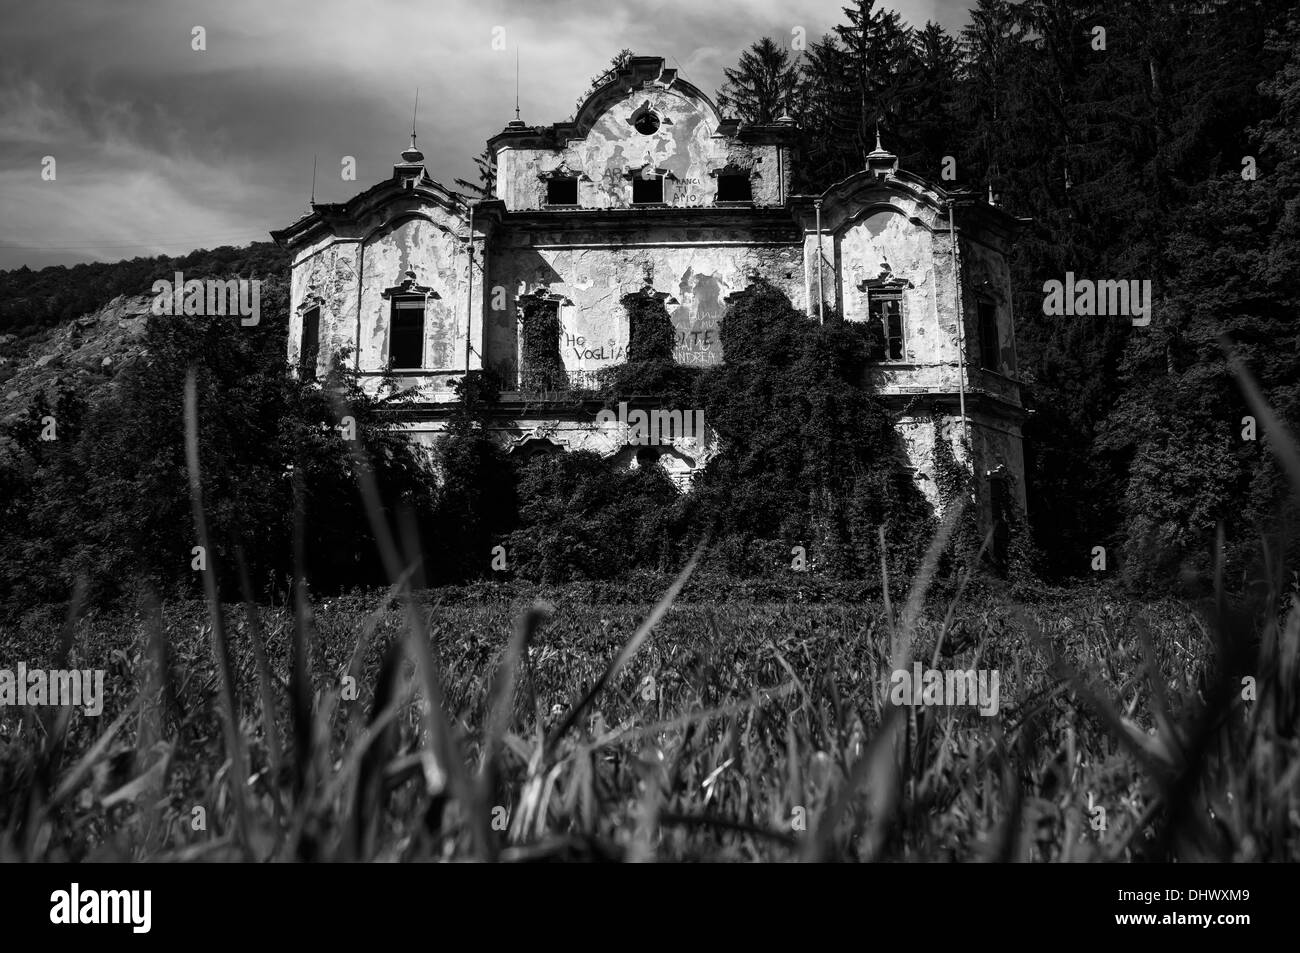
[687,150]
[879,228]
[589,276]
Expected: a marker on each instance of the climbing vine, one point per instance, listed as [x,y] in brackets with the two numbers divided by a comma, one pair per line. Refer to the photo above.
[650,329]
[956,484]
[542,368]
[650,368]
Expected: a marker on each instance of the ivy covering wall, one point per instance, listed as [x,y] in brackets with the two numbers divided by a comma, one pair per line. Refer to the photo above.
[650,329]
[541,367]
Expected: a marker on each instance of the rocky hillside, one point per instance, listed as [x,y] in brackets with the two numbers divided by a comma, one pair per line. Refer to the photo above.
[83,354]
[32,302]
[76,328]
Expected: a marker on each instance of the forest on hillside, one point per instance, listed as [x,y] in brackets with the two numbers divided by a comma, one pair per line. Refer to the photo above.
[1146,139]
[32,301]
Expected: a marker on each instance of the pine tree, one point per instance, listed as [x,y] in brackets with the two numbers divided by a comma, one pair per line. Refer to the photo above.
[486,187]
[1233,264]
[886,73]
[933,126]
[616,63]
[761,86]
[827,118]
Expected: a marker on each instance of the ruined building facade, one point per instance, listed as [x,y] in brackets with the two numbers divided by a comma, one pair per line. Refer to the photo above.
[649,187]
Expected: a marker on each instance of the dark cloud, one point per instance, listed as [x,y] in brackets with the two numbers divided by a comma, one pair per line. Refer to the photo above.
[161,148]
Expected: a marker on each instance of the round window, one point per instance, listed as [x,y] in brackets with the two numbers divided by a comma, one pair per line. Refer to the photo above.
[647,123]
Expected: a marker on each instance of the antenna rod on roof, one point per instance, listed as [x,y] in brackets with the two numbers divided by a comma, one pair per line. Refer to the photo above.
[313,180]
[516,83]
[415,112]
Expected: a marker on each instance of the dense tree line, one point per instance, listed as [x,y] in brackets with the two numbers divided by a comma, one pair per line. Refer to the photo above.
[1146,139]
[32,301]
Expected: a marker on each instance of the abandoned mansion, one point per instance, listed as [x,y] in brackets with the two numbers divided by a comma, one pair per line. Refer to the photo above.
[649,189]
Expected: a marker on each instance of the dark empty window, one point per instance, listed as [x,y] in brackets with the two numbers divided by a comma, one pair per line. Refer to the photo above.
[310,345]
[887,309]
[990,357]
[734,187]
[647,456]
[406,333]
[562,192]
[647,123]
[647,191]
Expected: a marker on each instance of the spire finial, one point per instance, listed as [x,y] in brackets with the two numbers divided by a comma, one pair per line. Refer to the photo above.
[313,181]
[880,161]
[411,154]
[517,119]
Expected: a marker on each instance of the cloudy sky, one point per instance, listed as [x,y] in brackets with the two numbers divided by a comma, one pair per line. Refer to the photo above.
[160,149]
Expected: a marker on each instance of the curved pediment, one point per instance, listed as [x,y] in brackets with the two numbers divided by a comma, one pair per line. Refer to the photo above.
[380,207]
[642,88]
[862,195]
[866,193]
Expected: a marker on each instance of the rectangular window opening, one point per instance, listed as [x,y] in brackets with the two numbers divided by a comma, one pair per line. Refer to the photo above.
[562,191]
[990,357]
[887,309]
[648,191]
[406,334]
[735,187]
[309,350]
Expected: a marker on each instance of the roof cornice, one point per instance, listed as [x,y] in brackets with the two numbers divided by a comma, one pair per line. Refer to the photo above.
[408,179]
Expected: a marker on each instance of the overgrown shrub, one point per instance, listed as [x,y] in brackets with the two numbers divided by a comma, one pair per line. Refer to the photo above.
[650,329]
[475,502]
[108,501]
[579,518]
[809,457]
[542,367]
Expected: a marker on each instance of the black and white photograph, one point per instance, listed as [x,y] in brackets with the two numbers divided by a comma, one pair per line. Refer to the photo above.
[746,432]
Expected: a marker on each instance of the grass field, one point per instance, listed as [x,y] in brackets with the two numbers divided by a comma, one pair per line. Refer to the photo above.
[752,722]
[688,718]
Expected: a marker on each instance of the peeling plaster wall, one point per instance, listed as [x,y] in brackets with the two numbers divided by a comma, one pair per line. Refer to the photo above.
[681,457]
[324,275]
[994,443]
[917,436]
[593,279]
[417,238]
[431,252]
[686,146]
[888,240]
[874,228]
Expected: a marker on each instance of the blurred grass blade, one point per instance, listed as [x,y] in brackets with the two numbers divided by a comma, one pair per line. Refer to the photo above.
[266,687]
[230,708]
[1280,439]
[630,648]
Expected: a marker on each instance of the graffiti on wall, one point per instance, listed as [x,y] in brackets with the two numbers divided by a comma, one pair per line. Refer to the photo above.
[696,320]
